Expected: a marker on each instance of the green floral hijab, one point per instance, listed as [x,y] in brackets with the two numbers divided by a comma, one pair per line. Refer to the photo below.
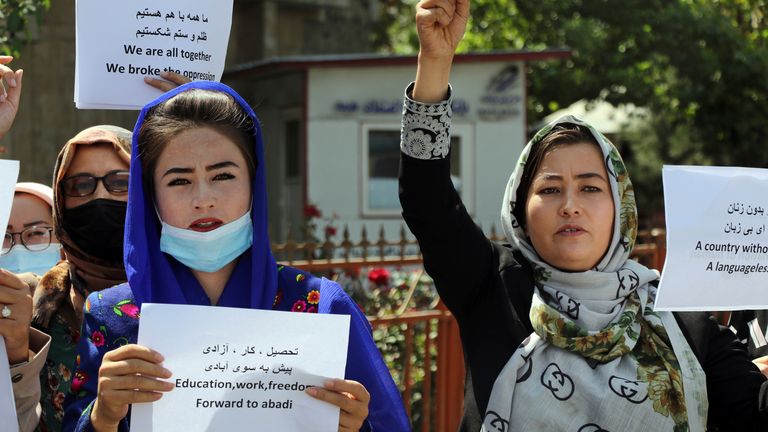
[603,316]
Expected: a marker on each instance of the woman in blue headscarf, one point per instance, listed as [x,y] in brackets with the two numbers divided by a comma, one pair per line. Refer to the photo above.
[196,233]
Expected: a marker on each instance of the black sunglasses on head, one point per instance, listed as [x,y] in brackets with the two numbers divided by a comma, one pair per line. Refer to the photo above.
[81,185]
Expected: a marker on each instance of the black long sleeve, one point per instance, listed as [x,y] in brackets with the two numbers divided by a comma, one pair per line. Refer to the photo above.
[737,391]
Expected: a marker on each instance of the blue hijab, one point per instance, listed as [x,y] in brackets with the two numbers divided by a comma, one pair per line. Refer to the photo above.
[257,281]
[156,277]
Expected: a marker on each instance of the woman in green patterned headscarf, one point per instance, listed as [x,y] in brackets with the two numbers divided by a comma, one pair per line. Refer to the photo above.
[569,209]
[557,325]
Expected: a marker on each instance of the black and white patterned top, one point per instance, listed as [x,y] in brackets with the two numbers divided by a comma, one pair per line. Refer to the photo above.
[426,128]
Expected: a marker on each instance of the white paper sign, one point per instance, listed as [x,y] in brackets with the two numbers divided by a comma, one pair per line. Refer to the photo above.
[7,405]
[9,173]
[120,42]
[242,369]
[717,239]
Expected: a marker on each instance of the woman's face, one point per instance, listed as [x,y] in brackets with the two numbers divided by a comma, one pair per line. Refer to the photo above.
[570,209]
[97,160]
[30,211]
[201,181]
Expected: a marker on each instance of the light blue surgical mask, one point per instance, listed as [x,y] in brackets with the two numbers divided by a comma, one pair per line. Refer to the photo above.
[208,251]
[21,260]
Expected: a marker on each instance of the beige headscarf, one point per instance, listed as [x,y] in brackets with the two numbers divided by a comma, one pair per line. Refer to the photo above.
[86,272]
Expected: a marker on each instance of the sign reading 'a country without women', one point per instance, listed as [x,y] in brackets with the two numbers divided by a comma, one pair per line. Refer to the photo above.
[717,239]
[120,42]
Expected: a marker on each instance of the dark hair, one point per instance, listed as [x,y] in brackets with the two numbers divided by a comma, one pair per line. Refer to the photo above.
[194,109]
[562,134]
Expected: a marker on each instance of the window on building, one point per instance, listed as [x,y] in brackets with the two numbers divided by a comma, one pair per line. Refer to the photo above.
[382,153]
[292,149]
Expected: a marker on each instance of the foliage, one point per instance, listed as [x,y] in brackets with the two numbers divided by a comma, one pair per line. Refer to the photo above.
[313,218]
[16,17]
[697,65]
[381,292]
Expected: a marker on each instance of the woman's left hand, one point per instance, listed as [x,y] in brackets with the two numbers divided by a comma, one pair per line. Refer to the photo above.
[350,396]
[16,300]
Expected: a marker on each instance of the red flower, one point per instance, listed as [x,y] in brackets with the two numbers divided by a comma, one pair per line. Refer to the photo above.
[299,306]
[130,309]
[313,297]
[97,338]
[311,309]
[311,211]
[80,379]
[379,276]
[330,231]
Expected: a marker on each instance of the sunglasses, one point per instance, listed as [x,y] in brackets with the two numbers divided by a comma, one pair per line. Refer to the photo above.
[81,185]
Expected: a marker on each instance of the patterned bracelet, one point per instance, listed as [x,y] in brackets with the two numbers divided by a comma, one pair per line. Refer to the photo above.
[426,128]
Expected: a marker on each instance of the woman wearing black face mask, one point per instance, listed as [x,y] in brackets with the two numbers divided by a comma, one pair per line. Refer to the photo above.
[90,184]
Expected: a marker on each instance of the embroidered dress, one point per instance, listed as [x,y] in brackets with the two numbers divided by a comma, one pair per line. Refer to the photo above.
[56,376]
[112,320]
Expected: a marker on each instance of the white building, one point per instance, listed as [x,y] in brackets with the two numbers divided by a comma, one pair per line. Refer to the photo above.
[336,122]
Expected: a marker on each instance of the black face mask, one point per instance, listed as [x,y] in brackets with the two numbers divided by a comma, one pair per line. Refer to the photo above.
[97,228]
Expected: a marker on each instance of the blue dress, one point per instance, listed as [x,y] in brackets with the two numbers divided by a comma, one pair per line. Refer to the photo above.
[112,320]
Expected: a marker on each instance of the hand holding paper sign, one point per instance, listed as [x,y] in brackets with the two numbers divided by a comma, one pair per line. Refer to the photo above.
[120,42]
[127,375]
[174,80]
[350,396]
[15,316]
[10,92]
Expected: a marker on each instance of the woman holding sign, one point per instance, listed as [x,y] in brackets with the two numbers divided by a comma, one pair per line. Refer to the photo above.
[557,326]
[196,233]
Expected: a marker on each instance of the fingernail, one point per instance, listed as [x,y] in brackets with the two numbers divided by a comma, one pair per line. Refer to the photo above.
[2,98]
[167,372]
[164,74]
[159,357]
[13,82]
[329,384]
[312,391]
[169,385]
